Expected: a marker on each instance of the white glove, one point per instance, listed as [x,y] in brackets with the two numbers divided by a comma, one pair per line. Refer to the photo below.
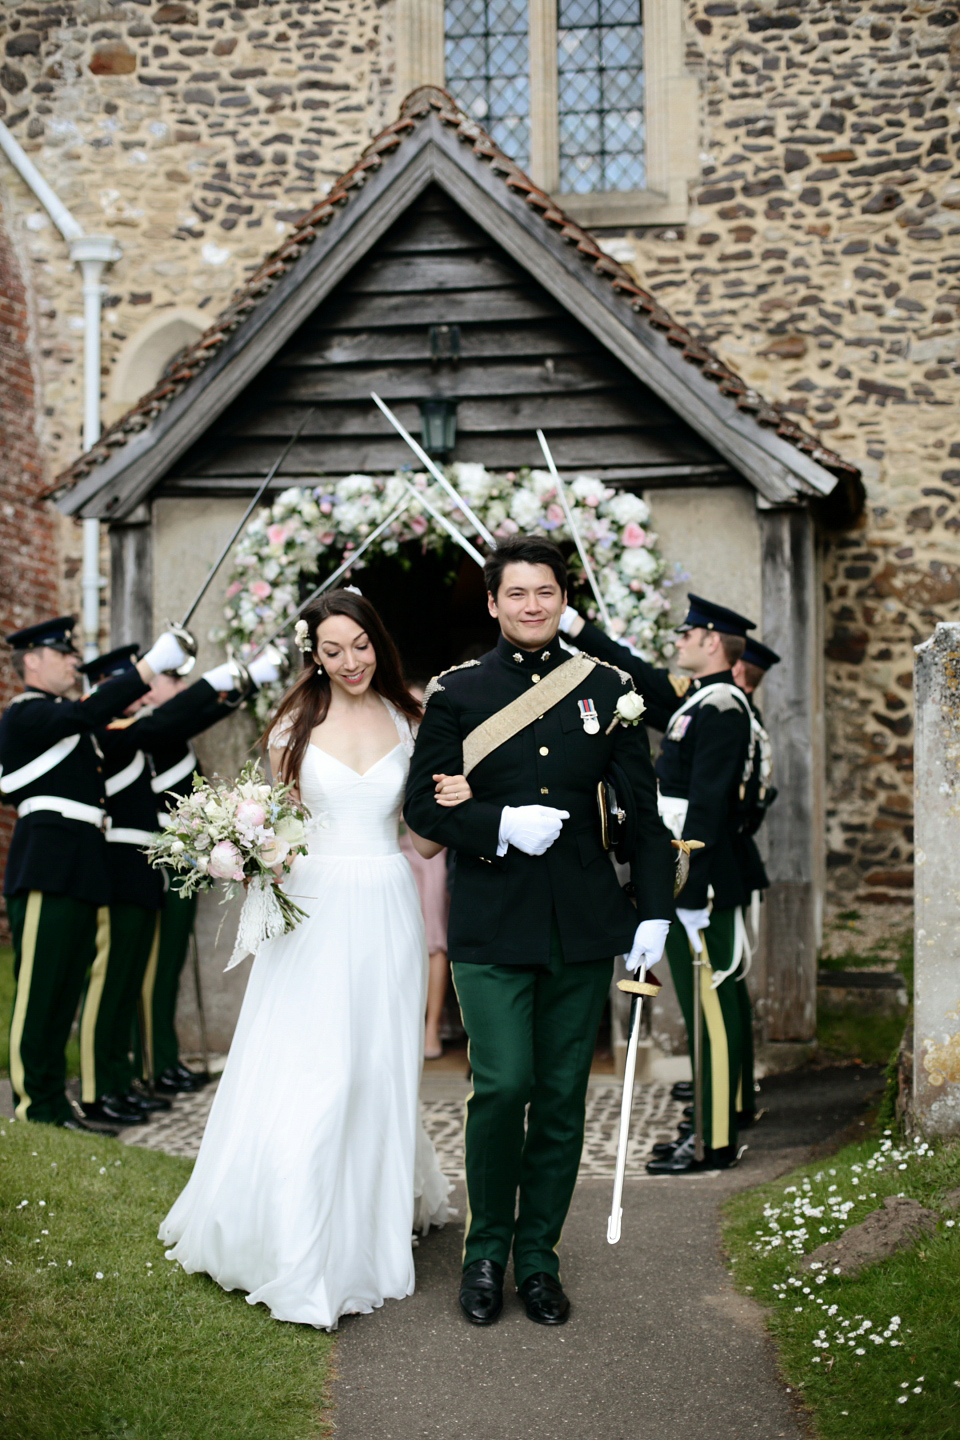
[648,943]
[693,921]
[264,671]
[568,619]
[221,677]
[530,828]
[164,654]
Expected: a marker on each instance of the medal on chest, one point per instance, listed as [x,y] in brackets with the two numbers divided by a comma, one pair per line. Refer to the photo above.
[679,727]
[589,717]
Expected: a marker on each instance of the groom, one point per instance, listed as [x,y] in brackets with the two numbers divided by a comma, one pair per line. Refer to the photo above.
[537,913]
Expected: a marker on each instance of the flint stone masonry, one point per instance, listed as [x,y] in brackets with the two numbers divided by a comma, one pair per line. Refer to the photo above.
[936,1081]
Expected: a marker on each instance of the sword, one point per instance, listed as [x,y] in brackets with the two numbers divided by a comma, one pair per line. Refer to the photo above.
[571,524]
[637,989]
[201,1016]
[186,639]
[697,1050]
[436,472]
[331,579]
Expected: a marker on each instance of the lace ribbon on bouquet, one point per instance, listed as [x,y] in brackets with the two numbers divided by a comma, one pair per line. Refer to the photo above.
[262,918]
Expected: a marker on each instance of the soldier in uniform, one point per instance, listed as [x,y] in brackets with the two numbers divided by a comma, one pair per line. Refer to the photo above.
[174,764]
[56,884]
[704,759]
[136,889]
[537,914]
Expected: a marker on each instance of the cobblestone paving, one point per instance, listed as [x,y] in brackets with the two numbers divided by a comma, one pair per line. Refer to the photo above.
[655,1117]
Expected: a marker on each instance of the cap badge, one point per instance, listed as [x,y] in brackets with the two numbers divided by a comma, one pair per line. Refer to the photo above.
[589,716]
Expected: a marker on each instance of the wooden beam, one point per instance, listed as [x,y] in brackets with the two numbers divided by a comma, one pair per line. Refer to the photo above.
[131,580]
[470,270]
[324,345]
[451,308]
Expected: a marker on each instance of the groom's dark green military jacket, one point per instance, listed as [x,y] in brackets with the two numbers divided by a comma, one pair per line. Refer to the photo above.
[502,907]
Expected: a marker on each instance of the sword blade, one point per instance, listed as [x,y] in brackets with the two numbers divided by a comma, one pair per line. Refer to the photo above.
[626,1109]
[332,579]
[261,490]
[436,472]
[697,1052]
[445,524]
[572,526]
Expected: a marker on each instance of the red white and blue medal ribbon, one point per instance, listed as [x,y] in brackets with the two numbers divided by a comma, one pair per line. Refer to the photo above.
[589,716]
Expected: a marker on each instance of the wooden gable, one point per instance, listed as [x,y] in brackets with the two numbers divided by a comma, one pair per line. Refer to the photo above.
[437,309]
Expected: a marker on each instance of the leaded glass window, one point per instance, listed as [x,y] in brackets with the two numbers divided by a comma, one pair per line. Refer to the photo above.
[600,77]
[487,68]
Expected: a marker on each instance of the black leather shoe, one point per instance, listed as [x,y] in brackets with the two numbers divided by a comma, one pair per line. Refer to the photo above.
[114,1110]
[688,1112]
[683,1090]
[74,1124]
[667,1147]
[544,1298]
[682,1162]
[170,1083]
[149,1104]
[196,1078]
[481,1292]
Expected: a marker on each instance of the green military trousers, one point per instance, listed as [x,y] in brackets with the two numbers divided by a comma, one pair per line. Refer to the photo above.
[746,1099]
[532,1035]
[110,1003]
[161,983]
[722,1042]
[56,940]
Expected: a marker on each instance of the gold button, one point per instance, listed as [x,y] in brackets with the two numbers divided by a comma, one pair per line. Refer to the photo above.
[539,717]
[544,750]
[544,790]
[535,678]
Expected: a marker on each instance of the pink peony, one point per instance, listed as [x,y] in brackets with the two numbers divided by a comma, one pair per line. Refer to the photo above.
[593,501]
[276,534]
[327,537]
[225,861]
[418,525]
[250,814]
[555,513]
[634,536]
[325,507]
[260,589]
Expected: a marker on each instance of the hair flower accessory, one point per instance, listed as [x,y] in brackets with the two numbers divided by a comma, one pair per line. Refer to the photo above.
[301,634]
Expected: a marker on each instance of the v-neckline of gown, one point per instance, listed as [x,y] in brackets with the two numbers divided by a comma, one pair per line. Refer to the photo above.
[359,774]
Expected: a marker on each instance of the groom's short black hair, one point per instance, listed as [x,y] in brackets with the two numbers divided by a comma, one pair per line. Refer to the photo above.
[525,550]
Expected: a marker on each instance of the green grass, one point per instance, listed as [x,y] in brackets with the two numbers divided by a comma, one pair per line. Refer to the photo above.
[858,1396]
[146,1352]
[6,1006]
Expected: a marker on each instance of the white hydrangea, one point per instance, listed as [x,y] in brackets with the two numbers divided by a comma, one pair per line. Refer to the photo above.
[627,507]
[526,509]
[586,487]
[639,563]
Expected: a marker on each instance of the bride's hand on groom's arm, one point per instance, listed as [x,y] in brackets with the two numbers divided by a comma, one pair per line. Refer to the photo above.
[451,790]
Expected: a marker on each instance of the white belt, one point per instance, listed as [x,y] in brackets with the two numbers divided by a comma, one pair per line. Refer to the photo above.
[121,835]
[69,809]
[126,776]
[180,771]
[673,812]
[16,779]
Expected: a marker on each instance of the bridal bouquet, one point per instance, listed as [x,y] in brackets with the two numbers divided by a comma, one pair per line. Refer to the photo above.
[246,834]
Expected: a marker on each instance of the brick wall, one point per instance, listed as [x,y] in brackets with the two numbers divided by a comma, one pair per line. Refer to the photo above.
[28,551]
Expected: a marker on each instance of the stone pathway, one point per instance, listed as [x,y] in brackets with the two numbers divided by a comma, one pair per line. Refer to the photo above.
[655,1117]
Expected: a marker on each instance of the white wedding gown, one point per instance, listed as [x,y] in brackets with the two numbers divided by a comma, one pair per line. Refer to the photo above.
[314,1166]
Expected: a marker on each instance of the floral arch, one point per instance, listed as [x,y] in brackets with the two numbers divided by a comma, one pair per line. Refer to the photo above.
[292,536]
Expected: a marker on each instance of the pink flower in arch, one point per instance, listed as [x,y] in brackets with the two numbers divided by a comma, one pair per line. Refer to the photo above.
[234,589]
[260,589]
[418,525]
[555,513]
[633,536]
[277,534]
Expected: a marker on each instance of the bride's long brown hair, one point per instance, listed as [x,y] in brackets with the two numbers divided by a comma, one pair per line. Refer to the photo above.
[307,701]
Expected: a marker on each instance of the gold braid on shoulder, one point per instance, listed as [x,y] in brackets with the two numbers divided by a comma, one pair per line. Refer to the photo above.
[435,685]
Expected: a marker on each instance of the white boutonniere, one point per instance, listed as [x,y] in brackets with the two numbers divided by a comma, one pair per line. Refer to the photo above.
[628,710]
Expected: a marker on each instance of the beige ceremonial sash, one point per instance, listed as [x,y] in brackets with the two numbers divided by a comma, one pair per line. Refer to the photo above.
[497,729]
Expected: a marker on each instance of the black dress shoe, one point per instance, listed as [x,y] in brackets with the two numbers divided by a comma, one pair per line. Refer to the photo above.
[481,1292]
[682,1162]
[197,1078]
[170,1082]
[683,1090]
[688,1112]
[149,1104]
[74,1124]
[544,1298]
[114,1110]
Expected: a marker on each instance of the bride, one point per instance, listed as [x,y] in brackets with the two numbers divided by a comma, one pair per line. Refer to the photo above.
[315,1167]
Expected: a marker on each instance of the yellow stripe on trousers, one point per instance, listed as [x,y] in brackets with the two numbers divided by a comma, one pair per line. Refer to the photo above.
[28,949]
[146,1003]
[719,1058]
[91,1008]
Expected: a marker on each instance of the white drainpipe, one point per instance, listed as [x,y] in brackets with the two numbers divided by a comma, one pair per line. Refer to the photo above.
[91,253]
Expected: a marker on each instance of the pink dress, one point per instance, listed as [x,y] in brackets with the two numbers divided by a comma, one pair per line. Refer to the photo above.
[431,878]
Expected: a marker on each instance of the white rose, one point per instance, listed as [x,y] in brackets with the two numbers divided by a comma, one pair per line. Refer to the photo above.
[290,828]
[525,508]
[273,850]
[630,707]
[626,507]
